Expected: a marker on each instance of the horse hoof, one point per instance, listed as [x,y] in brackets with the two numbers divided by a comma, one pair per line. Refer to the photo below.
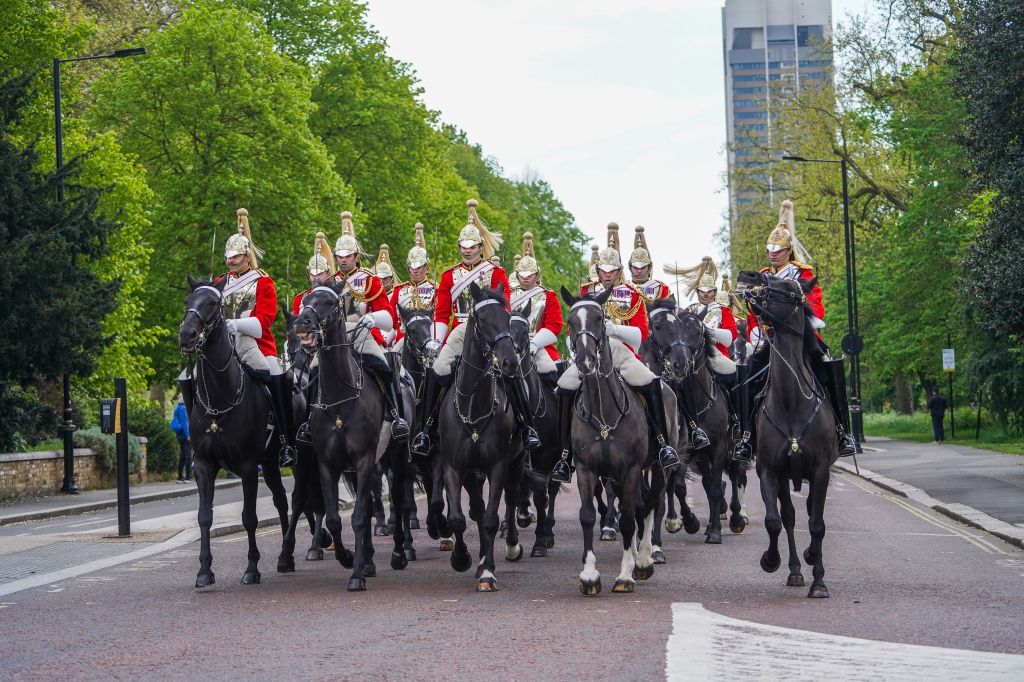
[691,524]
[818,592]
[487,585]
[447,545]
[314,555]
[737,525]
[369,570]
[608,534]
[286,565]
[590,589]
[714,538]
[549,541]
[624,586]
[513,552]
[380,531]
[432,530]
[399,560]
[357,585]
[770,566]
[796,580]
[479,571]
[252,578]
[410,554]
[809,558]
[525,521]
[539,551]
[347,559]
[673,525]
[643,572]
[461,562]
[205,580]
[325,538]
[658,556]
[414,523]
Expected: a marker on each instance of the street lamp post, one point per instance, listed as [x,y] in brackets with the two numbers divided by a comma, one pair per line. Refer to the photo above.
[70,485]
[852,343]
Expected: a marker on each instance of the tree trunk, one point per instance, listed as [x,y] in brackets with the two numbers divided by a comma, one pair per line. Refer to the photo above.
[158,392]
[903,404]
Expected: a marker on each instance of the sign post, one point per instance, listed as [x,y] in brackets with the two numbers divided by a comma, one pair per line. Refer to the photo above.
[949,366]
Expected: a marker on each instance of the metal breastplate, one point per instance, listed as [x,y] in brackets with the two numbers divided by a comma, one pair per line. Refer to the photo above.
[352,300]
[710,315]
[417,296]
[537,298]
[239,303]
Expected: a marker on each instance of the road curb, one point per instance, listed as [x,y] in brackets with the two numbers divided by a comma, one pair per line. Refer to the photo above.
[272,520]
[86,507]
[959,512]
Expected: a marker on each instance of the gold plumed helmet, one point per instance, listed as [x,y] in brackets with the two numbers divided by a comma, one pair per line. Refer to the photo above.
[382,267]
[527,265]
[593,262]
[475,232]
[346,244]
[241,243]
[322,260]
[608,259]
[701,277]
[418,253]
[784,235]
[641,255]
[724,296]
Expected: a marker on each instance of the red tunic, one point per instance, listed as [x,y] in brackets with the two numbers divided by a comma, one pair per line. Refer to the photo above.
[297,301]
[729,324]
[453,314]
[794,270]
[371,294]
[551,320]
[264,309]
[628,300]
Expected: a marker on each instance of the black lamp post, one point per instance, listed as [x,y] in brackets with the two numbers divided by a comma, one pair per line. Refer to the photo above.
[852,343]
[70,485]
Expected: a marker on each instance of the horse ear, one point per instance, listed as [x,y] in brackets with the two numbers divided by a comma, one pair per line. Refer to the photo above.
[603,296]
[288,317]
[525,312]
[501,289]
[567,296]
[221,283]
[334,285]
[671,301]
[474,291]
[193,283]
[808,284]
[403,313]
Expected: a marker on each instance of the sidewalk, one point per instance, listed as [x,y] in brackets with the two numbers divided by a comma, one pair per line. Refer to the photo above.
[978,487]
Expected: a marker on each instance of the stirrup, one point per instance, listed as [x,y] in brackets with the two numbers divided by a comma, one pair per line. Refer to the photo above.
[420,445]
[530,438]
[698,437]
[742,452]
[304,435]
[847,445]
[562,471]
[286,456]
[668,458]
[399,430]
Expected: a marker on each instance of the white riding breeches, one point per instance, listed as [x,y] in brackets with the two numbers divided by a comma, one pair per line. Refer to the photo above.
[251,356]
[543,362]
[634,372]
[451,349]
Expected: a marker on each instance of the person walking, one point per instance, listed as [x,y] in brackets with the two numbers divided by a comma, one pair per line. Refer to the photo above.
[179,424]
[937,407]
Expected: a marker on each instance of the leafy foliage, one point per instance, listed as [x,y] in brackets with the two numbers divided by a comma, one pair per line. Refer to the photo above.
[162,449]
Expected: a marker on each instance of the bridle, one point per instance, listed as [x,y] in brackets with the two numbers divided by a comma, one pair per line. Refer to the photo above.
[662,352]
[323,322]
[597,417]
[488,369]
[526,365]
[207,328]
[600,343]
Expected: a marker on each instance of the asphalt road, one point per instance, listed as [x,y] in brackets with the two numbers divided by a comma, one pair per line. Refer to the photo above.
[897,573]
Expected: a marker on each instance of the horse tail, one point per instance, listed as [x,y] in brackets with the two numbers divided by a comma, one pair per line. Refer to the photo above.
[349,479]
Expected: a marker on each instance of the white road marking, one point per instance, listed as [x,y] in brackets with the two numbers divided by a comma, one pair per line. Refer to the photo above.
[701,640]
[88,523]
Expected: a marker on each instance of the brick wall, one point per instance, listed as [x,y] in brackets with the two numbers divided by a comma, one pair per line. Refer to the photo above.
[33,474]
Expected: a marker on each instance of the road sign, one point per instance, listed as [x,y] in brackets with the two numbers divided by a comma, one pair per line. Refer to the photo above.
[948,360]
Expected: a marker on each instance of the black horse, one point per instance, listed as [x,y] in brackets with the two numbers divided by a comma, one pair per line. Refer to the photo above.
[345,423]
[796,437]
[227,421]
[418,326]
[476,428]
[545,421]
[611,438]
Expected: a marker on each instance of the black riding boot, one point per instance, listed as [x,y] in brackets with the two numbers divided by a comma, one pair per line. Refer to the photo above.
[835,384]
[382,371]
[698,436]
[431,392]
[187,388]
[562,471]
[280,386]
[550,378]
[667,456]
[520,399]
[742,397]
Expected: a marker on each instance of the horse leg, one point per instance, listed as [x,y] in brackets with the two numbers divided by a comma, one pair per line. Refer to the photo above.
[738,477]
[250,520]
[206,474]
[691,524]
[549,535]
[540,503]
[608,518]
[796,578]
[513,487]
[286,559]
[657,498]
[625,582]
[672,522]
[475,490]
[399,560]
[524,517]
[329,489]
[380,528]
[590,578]
[460,559]
[437,504]
[361,513]
[489,528]
[817,490]
[713,488]
[410,498]
[770,560]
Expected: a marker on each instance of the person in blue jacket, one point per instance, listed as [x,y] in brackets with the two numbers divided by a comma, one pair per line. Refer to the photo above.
[179,424]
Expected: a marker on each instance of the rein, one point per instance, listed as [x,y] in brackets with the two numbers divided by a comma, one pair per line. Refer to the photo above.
[488,369]
[204,363]
[527,368]
[586,412]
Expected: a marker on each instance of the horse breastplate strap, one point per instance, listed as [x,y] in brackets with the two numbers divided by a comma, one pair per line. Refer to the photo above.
[417,296]
[537,298]
[240,296]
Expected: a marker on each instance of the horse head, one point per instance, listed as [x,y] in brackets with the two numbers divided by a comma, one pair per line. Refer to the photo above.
[490,318]
[418,329]
[776,301]
[320,310]
[587,336]
[519,326]
[203,314]
[673,342]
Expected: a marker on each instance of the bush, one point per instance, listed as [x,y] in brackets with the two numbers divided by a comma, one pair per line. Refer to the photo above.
[105,447]
[24,419]
[162,451]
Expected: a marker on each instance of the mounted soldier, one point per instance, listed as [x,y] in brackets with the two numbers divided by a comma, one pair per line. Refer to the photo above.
[789,260]
[420,292]
[626,323]
[640,267]
[454,302]
[545,313]
[367,308]
[249,306]
[319,269]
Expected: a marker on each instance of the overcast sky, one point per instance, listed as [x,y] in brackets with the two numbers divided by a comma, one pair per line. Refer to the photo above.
[618,104]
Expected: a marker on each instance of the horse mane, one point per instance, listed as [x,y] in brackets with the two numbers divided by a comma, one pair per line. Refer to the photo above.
[663,304]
